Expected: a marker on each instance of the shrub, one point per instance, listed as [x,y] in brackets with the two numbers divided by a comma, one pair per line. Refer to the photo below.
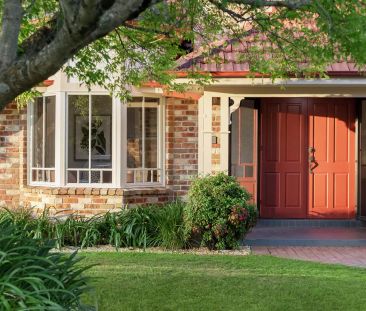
[218,211]
[33,278]
[170,226]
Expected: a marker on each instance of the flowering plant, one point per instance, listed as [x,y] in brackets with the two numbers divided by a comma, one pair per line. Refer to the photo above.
[218,211]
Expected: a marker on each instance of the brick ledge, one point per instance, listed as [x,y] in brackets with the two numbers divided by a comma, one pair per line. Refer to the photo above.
[96,191]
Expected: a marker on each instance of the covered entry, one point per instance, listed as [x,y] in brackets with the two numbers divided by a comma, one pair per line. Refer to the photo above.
[307,158]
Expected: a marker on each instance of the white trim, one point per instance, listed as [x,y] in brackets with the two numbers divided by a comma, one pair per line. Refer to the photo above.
[61,134]
[30,135]
[263,82]
[119,143]
[29,140]
[207,133]
[201,150]
[117,140]
[161,139]
[224,133]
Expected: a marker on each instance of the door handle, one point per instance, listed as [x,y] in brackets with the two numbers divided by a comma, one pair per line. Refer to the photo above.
[312,160]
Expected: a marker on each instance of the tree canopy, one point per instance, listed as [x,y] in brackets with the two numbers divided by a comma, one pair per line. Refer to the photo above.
[117,43]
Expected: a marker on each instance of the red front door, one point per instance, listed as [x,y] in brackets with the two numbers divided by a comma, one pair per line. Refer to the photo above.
[307,158]
[332,173]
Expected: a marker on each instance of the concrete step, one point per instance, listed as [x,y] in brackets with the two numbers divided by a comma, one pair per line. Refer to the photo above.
[311,223]
[306,236]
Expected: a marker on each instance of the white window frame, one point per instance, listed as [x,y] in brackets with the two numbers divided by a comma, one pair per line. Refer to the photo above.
[119,143]
[160,141]
[89,169]
[30,132]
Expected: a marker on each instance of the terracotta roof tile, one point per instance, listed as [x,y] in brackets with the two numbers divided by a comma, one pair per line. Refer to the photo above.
[227,55]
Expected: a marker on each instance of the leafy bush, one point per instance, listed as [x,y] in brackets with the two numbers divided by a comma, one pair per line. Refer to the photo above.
[33,278]
[169,222]
[218,211]
[217,203]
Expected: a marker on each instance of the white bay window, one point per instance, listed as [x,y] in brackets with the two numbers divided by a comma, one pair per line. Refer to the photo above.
[89,145]
[102,142]
[42,157]
[143,141]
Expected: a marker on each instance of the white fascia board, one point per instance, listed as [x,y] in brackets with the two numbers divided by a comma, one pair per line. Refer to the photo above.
[280,82]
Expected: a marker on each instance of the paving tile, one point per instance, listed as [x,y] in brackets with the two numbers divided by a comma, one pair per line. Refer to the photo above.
[349,256]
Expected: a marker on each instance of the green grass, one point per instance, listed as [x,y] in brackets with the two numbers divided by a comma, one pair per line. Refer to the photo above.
[145,281]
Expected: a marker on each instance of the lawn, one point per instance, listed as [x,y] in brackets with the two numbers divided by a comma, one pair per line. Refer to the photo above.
[145,281]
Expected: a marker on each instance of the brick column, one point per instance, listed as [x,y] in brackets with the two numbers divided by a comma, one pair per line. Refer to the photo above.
[181,144]
[12,154]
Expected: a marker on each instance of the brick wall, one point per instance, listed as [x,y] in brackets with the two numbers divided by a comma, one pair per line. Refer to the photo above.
[12,153]
[89,201]
[181,165]
[181,144]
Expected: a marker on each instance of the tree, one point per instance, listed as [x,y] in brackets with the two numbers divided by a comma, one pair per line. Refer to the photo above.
[140,40]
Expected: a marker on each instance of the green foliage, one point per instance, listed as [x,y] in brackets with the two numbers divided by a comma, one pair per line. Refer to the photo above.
[289,41]
[170,224]
[32,277]
[218,211]
[138,227]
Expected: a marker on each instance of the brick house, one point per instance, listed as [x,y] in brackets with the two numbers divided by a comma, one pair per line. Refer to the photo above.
[299,149]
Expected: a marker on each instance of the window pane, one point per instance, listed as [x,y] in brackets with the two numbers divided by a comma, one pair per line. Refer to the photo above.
[249,171]
[246,132]
[95,177]
[134,137]
[78,131]
[151,137]
[149,100]
[84,177]
[37,138]
[50,131]
[107,176]
[101,133]
[72,177]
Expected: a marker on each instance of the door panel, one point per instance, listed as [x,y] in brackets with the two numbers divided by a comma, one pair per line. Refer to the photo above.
[284,163]
[332,135]
[307,158]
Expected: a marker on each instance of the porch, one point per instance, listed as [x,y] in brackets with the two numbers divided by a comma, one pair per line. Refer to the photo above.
[298,150]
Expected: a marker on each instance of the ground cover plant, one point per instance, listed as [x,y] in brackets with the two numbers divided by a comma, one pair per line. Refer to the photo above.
[33,278]
[138,227]
[146,281]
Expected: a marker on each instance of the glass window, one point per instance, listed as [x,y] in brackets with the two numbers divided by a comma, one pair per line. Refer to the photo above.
[142,141]
[43,139]
[89,159]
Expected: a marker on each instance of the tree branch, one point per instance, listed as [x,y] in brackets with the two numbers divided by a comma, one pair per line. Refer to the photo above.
[12,17]
[36,65]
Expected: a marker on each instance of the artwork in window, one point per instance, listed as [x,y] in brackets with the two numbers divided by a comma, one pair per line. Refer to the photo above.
[89,138]
[100,138]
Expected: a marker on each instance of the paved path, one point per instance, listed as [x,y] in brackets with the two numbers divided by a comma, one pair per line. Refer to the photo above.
[349,256]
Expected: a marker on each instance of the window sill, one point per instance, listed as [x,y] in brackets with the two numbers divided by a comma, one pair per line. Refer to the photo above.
[157,190]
